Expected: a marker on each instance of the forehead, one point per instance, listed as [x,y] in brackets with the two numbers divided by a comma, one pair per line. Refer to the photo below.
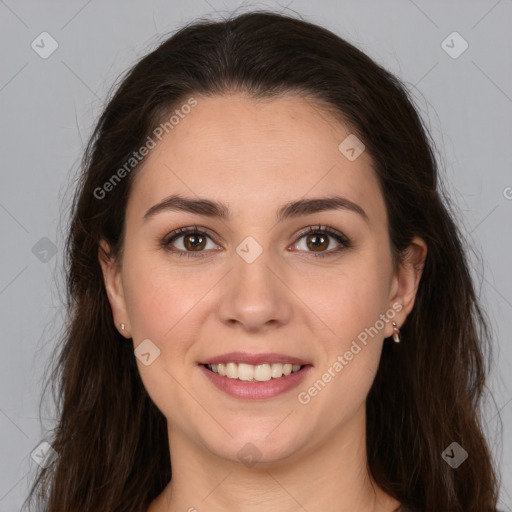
[255,155]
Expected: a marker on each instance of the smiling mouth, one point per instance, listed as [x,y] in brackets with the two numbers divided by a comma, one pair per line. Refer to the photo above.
[254,373]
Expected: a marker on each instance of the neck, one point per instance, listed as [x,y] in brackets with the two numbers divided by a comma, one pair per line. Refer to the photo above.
[329,475]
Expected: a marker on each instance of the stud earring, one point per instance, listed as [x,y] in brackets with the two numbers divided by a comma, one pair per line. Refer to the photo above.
[396,333]
[122,327]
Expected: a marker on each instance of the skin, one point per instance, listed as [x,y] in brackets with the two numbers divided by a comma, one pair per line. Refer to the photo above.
[288,301]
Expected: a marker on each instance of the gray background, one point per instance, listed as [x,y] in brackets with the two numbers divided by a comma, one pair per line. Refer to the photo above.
[49,106]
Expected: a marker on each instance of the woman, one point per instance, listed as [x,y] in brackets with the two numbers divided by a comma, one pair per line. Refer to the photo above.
[267,292]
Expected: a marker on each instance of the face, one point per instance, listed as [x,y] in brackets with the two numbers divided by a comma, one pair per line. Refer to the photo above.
[257,283]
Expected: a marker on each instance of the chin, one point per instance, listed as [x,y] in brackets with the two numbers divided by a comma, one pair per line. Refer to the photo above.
[257,446]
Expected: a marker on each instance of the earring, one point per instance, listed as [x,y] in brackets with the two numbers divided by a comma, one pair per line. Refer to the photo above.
[122,327]
[396,333]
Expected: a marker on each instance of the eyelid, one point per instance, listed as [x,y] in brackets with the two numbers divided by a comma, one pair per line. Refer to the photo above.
[342,239]
[179,232]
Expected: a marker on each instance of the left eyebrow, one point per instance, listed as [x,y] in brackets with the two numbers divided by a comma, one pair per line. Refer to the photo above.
[289,210]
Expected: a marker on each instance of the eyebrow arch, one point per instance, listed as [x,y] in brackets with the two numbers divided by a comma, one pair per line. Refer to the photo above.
[290,210]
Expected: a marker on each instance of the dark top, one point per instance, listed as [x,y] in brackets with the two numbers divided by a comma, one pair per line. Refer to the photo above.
[405,508]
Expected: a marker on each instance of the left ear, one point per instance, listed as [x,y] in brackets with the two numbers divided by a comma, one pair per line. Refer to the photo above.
[406,280]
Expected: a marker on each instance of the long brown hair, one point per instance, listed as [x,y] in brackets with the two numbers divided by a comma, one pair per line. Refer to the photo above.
[111,440]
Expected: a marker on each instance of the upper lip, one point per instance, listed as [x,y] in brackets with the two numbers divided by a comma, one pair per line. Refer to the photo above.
[254,359]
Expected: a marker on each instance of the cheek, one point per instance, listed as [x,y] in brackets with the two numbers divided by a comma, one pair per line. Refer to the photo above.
[350,298]
[350,304]
[349,358]
[160,301]
[161,295]
[152,301]
[152,296]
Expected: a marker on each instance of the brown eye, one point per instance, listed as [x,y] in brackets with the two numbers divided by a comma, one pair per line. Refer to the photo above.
[194,242]
[186,242]
[315,242]
[318,239]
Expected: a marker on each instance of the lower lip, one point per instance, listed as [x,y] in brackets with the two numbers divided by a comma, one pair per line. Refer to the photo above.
[256,390]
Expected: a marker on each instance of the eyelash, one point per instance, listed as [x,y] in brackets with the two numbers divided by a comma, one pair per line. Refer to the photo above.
[171,237]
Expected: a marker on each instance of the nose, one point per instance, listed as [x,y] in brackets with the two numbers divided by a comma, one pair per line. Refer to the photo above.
[254,296]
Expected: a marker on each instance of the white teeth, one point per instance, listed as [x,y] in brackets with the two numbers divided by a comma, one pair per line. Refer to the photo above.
[262,372]
[248,372]
[245,371]
[232,370]
[277,370]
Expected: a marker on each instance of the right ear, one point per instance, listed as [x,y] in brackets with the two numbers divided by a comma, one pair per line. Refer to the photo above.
[114,288]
